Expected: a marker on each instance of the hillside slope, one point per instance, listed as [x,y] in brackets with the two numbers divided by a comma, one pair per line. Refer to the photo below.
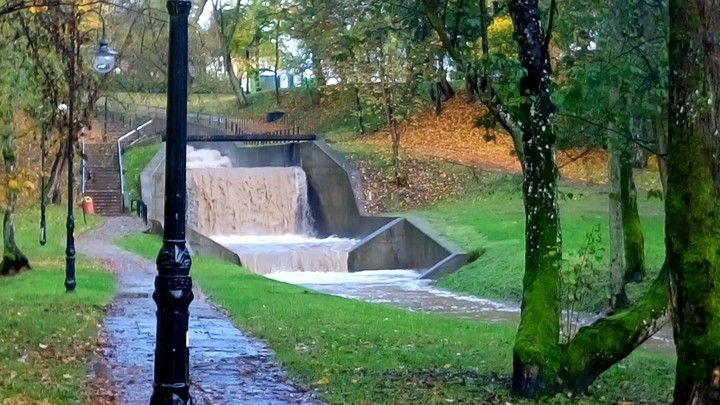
[453,135]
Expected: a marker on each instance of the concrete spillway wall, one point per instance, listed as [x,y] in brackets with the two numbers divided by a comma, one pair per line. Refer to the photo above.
[335,198]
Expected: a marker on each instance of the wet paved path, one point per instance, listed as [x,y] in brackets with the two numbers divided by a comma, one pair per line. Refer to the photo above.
[226,366]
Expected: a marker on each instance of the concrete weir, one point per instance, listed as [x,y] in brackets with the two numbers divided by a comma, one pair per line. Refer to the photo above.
[334,197]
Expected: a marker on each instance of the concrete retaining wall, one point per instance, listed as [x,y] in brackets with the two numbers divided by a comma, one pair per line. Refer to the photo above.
[336,201]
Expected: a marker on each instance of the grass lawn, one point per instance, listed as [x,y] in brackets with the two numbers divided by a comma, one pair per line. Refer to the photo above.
[46,335]
[494,223]
[134,161]
[354,352]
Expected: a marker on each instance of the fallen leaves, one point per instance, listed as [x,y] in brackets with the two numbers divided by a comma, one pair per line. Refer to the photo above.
[453,136]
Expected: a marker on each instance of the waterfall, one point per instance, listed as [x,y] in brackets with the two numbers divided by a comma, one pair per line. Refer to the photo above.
[248,201]
[260,213]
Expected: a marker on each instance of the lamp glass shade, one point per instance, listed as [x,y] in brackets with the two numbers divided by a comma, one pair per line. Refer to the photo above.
[104,58]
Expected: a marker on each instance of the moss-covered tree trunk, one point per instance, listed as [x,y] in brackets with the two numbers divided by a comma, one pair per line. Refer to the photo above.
[13,258]
[618,296]
[632,229]
[596,347]
[536,354]
[693,198]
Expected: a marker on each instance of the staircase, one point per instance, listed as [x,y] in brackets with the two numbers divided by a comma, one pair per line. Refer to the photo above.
[102,176]
[102,169]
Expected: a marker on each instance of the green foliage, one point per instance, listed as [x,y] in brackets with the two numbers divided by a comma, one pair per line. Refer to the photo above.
[579,275]
[613,67]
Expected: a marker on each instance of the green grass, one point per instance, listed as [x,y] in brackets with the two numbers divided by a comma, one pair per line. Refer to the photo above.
[354,352]
[494,223]
[46,335]
[134,161]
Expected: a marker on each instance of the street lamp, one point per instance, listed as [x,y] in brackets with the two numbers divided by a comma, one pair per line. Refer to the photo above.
[173,285]
[104,56]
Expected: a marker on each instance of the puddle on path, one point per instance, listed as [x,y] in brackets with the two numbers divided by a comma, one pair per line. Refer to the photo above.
[403,288]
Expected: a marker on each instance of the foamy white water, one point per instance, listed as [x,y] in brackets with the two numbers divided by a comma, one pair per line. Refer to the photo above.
[403,288]
[289,253]
[206,159]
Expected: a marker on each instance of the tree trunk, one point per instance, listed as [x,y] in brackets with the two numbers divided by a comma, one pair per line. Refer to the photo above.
[226,34]
[435,96]
[317,67]
[13,258]
[445,88]
[693,198]
[661,139]
[358,109]
[54,181]
[391,120]
[237,88]
[632,229]
[536,354]
[277,63]
[618,297]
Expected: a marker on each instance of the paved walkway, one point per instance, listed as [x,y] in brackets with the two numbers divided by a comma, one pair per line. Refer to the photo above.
[226,366]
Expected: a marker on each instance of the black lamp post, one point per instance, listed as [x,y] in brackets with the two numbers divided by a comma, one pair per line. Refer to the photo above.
[173,285]
[103,62]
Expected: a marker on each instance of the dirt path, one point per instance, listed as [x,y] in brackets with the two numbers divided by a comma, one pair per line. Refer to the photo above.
[226,366]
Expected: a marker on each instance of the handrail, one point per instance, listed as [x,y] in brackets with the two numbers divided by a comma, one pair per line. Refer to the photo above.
[83,165]
[122,175]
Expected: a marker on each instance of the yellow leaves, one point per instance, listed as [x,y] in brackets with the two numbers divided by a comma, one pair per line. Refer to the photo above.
[38,9]
[500,25]
[322,381]
[84,5]
[14,185]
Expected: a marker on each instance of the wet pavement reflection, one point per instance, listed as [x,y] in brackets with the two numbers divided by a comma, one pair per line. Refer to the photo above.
[226,366]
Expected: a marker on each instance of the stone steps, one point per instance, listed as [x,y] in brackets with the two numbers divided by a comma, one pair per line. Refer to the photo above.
[103,173]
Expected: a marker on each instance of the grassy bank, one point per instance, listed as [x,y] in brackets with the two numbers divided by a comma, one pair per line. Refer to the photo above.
[46,335]
[359,353]
[494,224]
[134,161]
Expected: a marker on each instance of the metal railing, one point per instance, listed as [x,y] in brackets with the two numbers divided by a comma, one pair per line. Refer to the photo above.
[120,160]
[84,162]
[233,126]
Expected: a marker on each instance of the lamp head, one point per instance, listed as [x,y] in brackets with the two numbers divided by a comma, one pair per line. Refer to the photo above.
[104,58]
